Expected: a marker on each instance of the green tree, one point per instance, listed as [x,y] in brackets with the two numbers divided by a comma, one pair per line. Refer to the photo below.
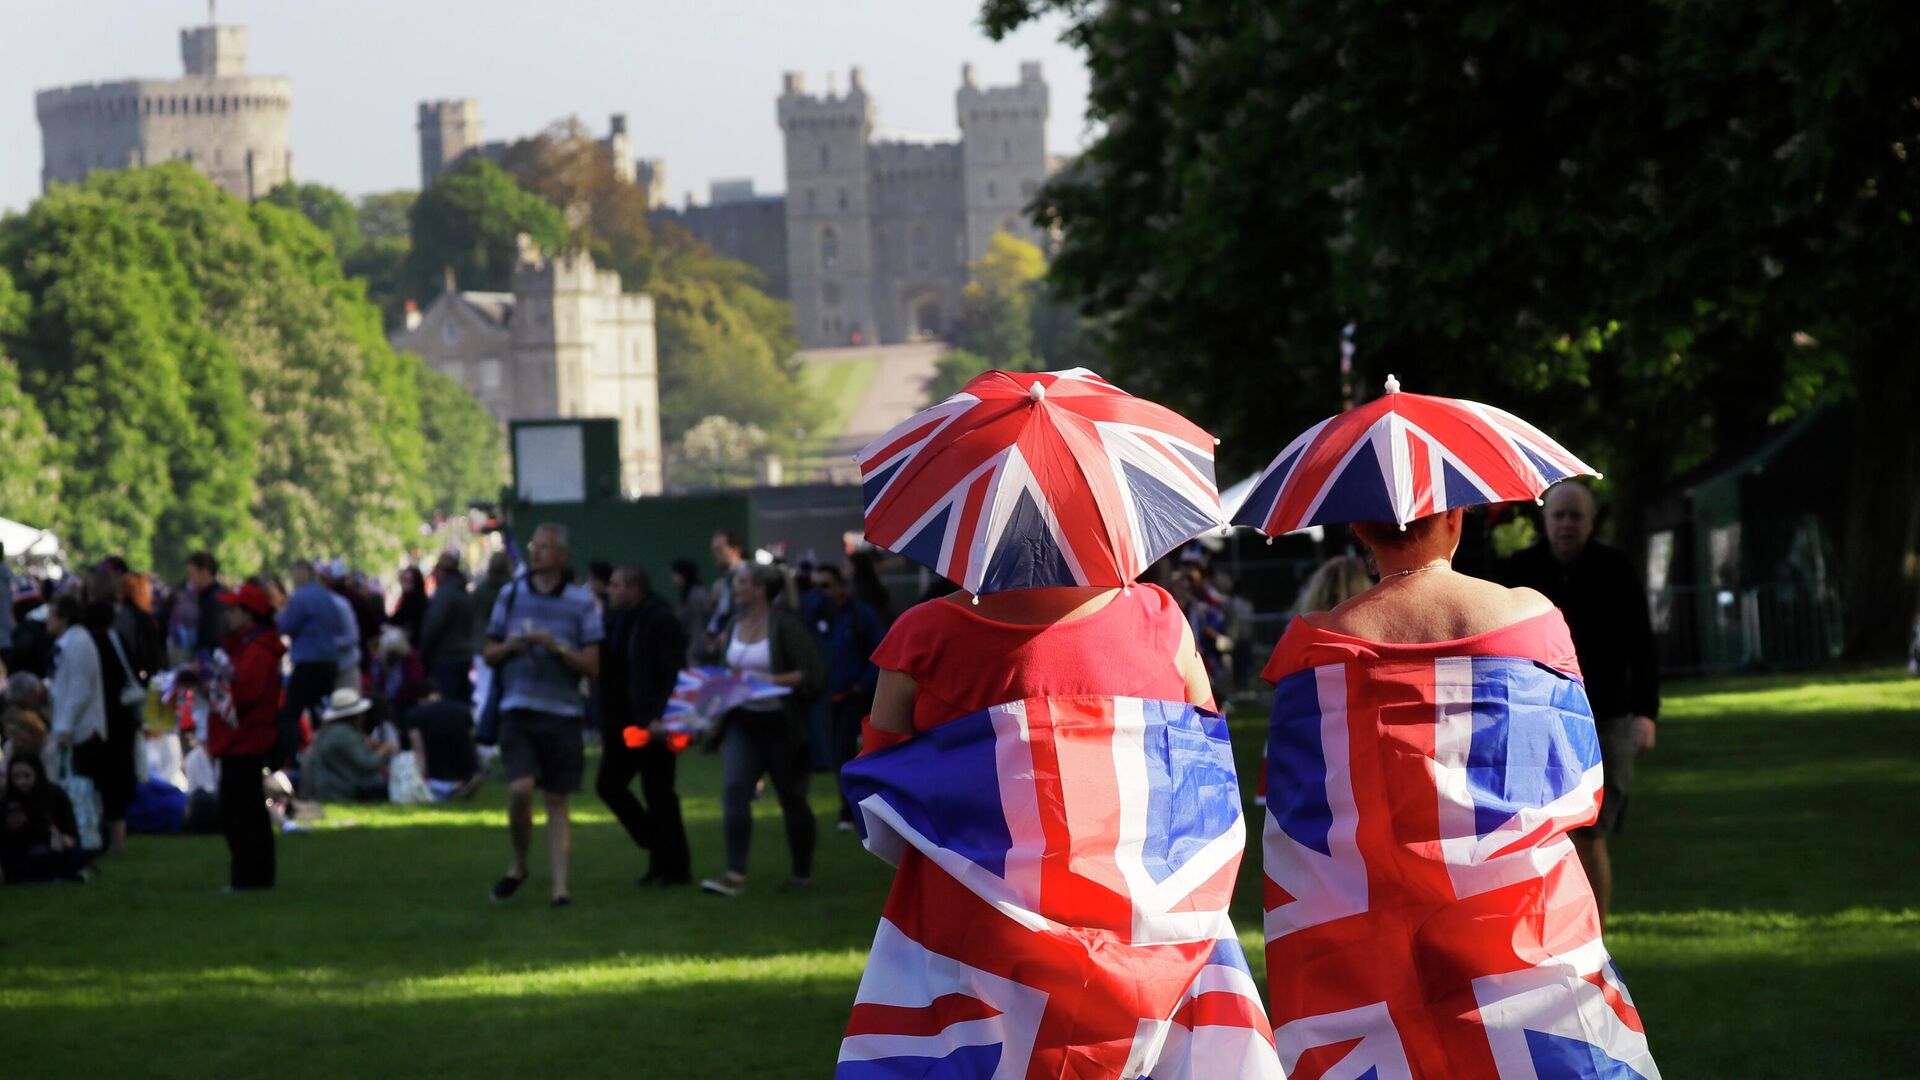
[29,480]
[994,327]
[726,348]
[469,222]
[156,445]
[1662,226]
[466,452]
[212,378]
[329,210]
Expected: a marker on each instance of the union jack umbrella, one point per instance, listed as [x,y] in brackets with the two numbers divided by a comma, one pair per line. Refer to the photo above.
[1404,456]
[1025,481]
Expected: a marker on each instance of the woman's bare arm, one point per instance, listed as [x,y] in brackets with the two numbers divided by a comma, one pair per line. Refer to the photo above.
[893,703]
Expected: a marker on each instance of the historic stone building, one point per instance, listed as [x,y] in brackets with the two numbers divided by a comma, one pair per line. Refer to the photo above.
[450,130]
[229,125]
[738,224]
[880,233]
[566,342]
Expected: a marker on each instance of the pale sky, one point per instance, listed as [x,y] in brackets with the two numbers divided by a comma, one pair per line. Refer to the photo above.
[696,78]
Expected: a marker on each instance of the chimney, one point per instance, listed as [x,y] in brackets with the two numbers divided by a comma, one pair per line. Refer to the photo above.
[966,74]
[413,315]
[856,80]
[794,83]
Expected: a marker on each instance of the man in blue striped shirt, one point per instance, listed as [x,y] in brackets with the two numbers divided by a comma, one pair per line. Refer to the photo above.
[542,640]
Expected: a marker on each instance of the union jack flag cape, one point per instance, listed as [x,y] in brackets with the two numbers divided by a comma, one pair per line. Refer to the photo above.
[1426,914]
[1060,908]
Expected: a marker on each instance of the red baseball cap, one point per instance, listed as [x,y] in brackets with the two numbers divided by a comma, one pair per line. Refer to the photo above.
[251,597]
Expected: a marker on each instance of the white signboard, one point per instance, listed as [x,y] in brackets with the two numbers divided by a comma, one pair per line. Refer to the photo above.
[550,464]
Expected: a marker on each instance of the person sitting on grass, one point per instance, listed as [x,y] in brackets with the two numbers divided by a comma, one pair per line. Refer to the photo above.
[346,766]
[39,839]
[439,731]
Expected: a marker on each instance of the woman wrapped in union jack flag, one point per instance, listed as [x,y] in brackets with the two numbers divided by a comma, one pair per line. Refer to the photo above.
[1042,763]
[1430,749]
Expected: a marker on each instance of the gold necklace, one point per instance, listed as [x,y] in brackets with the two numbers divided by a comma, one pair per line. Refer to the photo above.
[1442,564]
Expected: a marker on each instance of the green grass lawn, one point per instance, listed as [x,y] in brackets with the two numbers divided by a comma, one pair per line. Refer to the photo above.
[838,385]
[1768,923]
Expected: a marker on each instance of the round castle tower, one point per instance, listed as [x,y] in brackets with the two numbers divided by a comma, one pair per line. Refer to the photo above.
[229,125]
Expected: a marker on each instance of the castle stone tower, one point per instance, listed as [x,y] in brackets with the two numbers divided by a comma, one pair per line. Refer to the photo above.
[829,231]
[582,347]
[229,125]
[448,129]
[1003,142]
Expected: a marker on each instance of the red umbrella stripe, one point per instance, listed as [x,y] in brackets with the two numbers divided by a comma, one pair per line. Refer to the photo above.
[1402,457]
[1005,486]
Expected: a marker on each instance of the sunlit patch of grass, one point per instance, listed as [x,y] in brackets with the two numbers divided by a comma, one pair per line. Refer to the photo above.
[1765,919]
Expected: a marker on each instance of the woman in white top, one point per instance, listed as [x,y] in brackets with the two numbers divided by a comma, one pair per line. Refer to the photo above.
[767,737]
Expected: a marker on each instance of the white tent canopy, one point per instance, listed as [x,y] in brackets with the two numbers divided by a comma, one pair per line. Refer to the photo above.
[26,540]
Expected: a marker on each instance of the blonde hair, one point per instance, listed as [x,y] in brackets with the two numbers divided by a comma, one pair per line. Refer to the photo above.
[1338,580]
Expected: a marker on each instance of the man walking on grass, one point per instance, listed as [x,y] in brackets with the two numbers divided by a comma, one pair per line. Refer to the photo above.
[644,649]
[1596,587]
[543,638]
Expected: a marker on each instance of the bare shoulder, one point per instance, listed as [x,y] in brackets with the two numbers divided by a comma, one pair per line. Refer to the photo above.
[1435,609]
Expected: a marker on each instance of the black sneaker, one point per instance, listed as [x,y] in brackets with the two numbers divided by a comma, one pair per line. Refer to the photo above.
[507,885]
[562,901]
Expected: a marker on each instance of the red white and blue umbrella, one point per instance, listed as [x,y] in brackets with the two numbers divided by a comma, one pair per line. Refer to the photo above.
[1026,481]
[1401,457]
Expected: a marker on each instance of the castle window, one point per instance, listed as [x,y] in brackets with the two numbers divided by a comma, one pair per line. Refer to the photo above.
[1006,149]
[993,191]
[826,157]
[809,200]
[843,198]
[830,294]
[829,248]
[490,375]
[922,253]
[1027,188]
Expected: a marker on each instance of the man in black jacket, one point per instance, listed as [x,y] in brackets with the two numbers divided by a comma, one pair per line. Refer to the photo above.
[644,649]
[446,640]
[1605,604]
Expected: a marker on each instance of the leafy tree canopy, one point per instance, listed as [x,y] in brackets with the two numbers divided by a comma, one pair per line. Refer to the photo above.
[210,377]
[469,221]
[1655,227]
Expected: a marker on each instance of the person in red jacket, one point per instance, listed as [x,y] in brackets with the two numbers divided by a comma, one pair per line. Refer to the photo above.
[242,740]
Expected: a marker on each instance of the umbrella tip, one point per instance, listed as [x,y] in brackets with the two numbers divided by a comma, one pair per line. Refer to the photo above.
[1037,392]
[976,600]
[1393,385]
[1269,541]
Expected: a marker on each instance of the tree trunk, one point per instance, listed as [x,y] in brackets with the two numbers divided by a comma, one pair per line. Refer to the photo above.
[1883,505]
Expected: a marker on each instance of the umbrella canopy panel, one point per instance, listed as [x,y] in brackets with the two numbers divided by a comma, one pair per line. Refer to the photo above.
[1401,457]
[1025,481]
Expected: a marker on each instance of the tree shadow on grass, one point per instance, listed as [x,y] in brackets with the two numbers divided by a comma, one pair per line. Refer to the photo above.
[762,1028]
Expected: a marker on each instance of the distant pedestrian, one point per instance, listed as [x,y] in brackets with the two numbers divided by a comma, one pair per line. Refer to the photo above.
[694,607]
[639,663]
[767,737]
[241,741]
[727,553]
[410,610]
[1605,604]
[852,631]
[446,643]
[347,645]
[315,623]
[76,691]
[544,636]
[485,592]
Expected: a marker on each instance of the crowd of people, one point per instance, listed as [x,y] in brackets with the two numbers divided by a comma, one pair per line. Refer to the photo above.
[325,688]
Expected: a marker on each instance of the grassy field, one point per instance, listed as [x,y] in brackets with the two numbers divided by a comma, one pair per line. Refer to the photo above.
[838,385]
[1768,922]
